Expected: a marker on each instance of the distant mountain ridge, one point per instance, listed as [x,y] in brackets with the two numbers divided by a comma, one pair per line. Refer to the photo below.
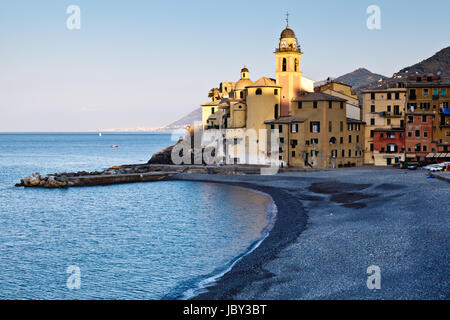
[438,63]
[360,78]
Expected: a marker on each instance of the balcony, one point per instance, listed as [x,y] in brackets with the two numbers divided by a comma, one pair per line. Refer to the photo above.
[390,114]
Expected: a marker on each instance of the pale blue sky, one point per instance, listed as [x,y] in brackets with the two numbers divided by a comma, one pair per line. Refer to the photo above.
[144,63]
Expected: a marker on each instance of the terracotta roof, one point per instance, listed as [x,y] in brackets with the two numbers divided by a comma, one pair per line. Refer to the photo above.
[264,82]
[286,120]
[318,96]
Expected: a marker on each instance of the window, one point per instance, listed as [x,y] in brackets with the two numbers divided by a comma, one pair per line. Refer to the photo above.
[371,147]
[293,154]
[410,119]
[349,152]
[372,122]
[372,96]
[425,92]
[342,126]
[341,140]
[314,126]
[330,126]
[389,96]
[332,140]
[343,153]
[388,109]
[315,104]
[397,96]
[295,64]
[443,92]
[241,94]
[299,104]
[381,135]
[281,140]
[276,111]
[330,104]
[424,148]
[391,148]
[272,126]
[417,133]
[417,147]
[259,91]
[371,133]
[409,134]
[435,93]
[294,128]
[212,110]
[372,108]
[284,64]
[425,134]
[350,139]
[280,128]
[315,141]
[342,105]
[424,118]
[388,121]
[275,92]
[357,139]
[334,153]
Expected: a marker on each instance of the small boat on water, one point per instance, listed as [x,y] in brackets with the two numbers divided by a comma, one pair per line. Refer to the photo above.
[99,134]
[114,146]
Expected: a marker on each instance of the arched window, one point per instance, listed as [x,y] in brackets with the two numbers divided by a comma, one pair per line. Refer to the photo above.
[259,91]
[284,64]
[241,94]
[295,64]
[332,140]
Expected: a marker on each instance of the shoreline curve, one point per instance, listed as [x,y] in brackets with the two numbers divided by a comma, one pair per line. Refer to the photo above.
[290,222]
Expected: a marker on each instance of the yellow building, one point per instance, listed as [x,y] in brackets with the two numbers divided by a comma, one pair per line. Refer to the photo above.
[384,110]
[344,91]
[318,133]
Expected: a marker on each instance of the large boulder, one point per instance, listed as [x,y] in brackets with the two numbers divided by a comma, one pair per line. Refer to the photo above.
[162,157]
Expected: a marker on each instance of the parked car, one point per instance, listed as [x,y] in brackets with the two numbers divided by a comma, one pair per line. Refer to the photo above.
[436,168]
[412,166]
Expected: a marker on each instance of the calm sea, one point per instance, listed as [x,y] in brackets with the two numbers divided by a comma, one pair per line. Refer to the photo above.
[158,240]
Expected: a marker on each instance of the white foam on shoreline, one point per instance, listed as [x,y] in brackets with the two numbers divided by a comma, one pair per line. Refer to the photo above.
[202,286]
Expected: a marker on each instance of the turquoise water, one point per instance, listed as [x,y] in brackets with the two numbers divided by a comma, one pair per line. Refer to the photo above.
[157,240]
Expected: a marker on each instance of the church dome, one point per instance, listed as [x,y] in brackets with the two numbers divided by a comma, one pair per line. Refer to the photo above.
[287,33]
[244,69]
[241,84]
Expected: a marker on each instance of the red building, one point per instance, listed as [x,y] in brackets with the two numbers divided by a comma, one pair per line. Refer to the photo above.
[389,143]
[419,136]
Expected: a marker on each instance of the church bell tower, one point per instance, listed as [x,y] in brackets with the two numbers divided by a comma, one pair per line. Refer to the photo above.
[288,74]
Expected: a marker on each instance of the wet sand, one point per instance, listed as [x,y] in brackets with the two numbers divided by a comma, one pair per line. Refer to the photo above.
[331,226]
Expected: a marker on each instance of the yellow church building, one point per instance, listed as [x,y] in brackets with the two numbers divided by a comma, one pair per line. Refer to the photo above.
[313,128]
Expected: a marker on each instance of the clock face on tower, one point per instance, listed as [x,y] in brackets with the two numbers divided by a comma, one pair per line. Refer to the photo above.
[283,44]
